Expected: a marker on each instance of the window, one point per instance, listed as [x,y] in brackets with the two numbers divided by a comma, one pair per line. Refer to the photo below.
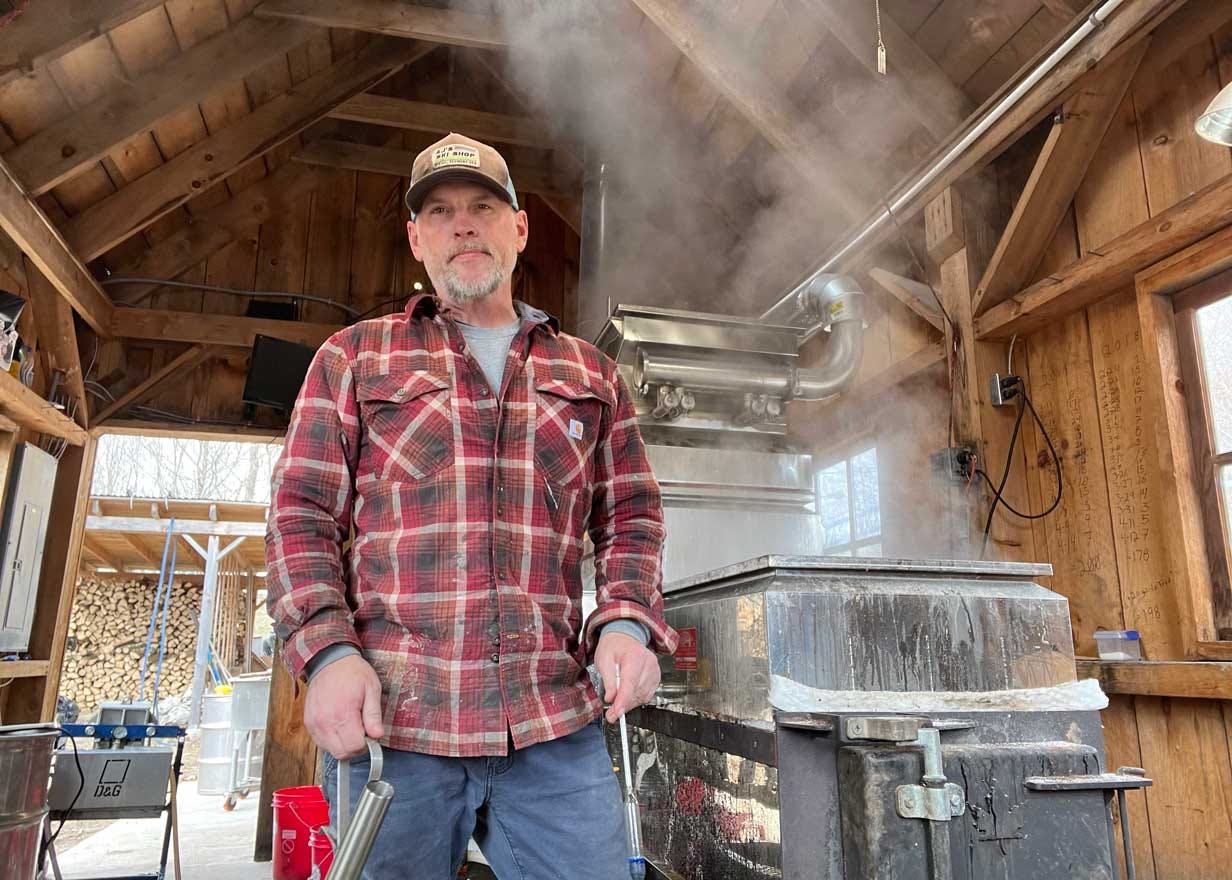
[1204,341]
[849,506]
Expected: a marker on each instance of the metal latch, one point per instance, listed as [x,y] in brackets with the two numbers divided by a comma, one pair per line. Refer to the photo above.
[935,798]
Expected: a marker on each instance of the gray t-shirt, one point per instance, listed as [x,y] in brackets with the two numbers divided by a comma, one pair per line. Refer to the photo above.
[490,346]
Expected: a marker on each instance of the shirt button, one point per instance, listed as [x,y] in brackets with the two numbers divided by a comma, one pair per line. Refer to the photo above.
[496,658]
[483,392]
[496,640]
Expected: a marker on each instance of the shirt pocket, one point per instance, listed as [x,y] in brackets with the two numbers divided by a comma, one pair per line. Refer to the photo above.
[568,419]
[408,425]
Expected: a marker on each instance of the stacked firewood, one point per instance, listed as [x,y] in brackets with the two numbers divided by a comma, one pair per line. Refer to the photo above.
[107,635]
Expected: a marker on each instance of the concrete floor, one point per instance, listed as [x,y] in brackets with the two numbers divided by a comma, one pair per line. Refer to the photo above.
[213,844]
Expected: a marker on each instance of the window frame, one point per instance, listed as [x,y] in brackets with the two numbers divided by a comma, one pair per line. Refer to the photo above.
[1183,277]
[845,455]
[1208,465]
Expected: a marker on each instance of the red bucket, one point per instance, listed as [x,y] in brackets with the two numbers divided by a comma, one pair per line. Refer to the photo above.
[298,812]
[322,853]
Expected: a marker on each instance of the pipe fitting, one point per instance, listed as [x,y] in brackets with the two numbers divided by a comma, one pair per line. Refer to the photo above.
[830,299]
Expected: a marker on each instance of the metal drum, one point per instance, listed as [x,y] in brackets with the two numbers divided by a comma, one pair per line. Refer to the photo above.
[249,701]
[25,771]
[214,761]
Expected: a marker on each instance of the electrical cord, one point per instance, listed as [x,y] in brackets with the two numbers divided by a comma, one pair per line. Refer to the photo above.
[1024,404]
[233,291]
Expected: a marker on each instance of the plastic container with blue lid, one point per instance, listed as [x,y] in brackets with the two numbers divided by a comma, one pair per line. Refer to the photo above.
[1118,644]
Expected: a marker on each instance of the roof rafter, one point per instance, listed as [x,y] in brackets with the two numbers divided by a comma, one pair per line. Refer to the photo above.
[217,227]
[203,329]
[387,160]
[136,206]
[558,190]
[33,232]
[916,81]
[32,41]
[70,146]
[395,19]
[187,360]
[1098,275]
[1055,178]
[421,116]
[811,151]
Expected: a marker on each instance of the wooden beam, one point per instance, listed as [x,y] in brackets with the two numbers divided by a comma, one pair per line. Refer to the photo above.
[440,118]
[385,160]
[33,232]
[151,196]
[970,362]
[203,328]
[219,226]
[177,431]
[1129,25]
[36,38]
[567,209]
[1112,268]
[100,554]
[395,19]
[62,150]
[1203,680]
[34,699]
[1060,168]
[57,341]
[1221,650]
[143,551]
[186,360]
[25,407]
[914,78]
[915,295]
[810,150]
[150,525]
[23,669]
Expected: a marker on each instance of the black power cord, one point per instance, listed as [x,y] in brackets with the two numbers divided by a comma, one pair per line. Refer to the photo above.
[1013,386]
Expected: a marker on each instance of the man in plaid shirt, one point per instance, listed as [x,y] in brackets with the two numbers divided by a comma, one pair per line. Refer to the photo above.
[465,447]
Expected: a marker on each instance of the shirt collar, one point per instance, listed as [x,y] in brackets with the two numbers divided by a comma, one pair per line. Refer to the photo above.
[428,306]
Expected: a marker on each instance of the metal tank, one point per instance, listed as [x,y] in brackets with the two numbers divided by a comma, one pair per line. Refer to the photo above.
[868,719]
[25,773]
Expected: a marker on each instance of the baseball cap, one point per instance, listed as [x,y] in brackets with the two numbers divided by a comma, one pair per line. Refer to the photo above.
[456,157]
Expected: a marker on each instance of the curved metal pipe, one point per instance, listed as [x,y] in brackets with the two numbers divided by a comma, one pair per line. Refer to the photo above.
[842,362]
[720,372]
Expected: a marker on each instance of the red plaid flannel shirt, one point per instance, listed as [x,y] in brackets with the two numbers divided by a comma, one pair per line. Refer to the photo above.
[462,584]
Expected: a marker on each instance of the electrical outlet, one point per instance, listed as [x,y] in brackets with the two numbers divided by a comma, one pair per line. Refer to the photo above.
[953,463]
[1002,389]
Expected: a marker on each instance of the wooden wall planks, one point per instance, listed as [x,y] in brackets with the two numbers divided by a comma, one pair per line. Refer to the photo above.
[1106,540]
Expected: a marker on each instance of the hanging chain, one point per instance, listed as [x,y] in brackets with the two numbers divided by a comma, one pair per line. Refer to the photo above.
[881,50]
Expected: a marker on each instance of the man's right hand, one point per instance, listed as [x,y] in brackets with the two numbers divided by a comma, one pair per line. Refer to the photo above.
[343,705]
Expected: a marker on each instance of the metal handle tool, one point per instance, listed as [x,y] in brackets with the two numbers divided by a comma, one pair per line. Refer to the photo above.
[357,834]
[633,819]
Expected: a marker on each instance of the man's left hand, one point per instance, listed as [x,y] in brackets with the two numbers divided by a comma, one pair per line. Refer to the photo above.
[639,673]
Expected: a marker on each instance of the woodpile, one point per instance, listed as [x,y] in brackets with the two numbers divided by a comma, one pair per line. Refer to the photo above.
[107,635]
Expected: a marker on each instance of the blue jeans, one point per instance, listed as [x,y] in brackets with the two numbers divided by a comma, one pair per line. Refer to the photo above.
[551,811]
